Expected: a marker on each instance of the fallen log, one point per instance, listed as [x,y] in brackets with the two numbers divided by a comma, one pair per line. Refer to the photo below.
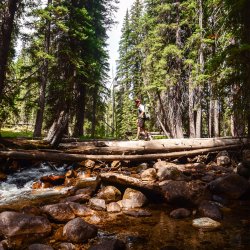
[179,144]
[127,181]
[51,156]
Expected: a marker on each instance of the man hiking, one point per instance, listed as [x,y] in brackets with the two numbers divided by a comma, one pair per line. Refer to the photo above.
[141,120]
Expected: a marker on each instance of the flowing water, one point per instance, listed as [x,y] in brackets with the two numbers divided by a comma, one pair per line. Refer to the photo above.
[157,232]
[17,190]
[160,232]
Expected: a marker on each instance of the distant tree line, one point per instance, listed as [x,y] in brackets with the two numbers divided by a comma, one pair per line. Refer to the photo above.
[189,60]
[58,79]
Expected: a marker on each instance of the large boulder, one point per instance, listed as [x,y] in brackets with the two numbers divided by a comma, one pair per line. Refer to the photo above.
[231,186]
[79,231]
[184,193]
[60,212]
[110,194]
[20,228]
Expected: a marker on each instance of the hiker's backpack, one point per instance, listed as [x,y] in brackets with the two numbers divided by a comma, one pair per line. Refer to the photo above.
[146,112]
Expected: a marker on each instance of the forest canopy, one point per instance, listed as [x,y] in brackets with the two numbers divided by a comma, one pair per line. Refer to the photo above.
[188,61]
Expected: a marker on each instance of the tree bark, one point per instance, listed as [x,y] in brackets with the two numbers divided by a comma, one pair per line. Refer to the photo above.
[43,81]
[5,40]
[198,126]
[191,110]
[57,129]
[80,109]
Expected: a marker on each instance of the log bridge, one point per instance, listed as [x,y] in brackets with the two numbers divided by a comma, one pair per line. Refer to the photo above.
[109,151]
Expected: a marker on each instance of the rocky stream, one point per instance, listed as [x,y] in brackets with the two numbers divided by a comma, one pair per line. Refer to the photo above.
[201,202]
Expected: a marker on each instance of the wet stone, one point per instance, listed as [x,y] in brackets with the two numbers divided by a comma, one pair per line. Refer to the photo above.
[180,213]
[80,210]
[39,247]
[206,224]
[211,210]
[110,194]
[138,213]
[113,207]
[231,186]
[109,244]
[66,246]
[59,212]
[97,204]
[79,231]
[149,175]
[133,199]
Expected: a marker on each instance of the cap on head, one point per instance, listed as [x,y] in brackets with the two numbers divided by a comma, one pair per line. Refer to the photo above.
[137,100]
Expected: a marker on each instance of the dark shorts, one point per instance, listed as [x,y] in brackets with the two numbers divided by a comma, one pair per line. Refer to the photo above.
[141,122]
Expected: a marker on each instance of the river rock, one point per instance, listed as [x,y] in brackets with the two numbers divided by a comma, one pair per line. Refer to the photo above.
[243,170]
[109,244]
[246,155]
[71,174]
[79,231]
[137,213]
[168,173]
[113,207]
[2,247]
[97,204]
[184,193]
[133,199]
[77,198]
[59,212]
[95,219]
[223,160]
[231,186]
[110,194]
[210,210]
[53,179]
[23,227]
[66,246]
[39,247]
[3,176]
[80,210]
[149,175]
[206,224]
[89,164]
[180,213]
[88,191]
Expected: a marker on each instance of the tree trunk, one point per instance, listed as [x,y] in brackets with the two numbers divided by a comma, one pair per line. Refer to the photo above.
[201,63]
[43,81]
[7,23]
[80,109]
[211,118]
[191,110]
[94,113]
[216,118]
[58,128]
